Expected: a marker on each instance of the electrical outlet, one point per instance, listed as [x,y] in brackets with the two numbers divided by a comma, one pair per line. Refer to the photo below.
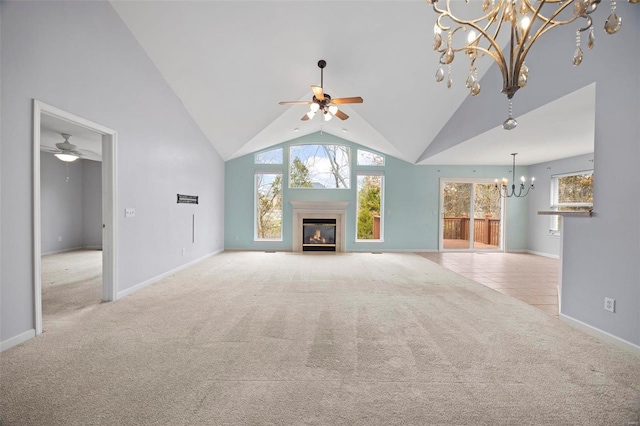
[129,212]
[59,238]
[609,304]
[184,251]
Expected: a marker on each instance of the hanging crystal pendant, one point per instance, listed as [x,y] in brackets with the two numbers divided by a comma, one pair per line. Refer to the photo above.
[449,83]
[523,7]
[613,24]
[577,57]
[580,7]
[439,74]
[592,39]
[437,41]
[522,79]
[447,56]
[510,123]
[470,80]
[475,89]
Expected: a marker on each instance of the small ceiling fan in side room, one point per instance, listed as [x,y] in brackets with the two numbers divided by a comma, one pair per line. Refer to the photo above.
[322,102]
[66,151]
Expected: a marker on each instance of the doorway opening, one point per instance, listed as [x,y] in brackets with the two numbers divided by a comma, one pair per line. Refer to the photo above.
[471,215]
[74,213]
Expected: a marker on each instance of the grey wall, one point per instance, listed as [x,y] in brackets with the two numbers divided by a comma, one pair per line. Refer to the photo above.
[80,57]
[538,238]
[70,203]
[91,204]
[60,203]
[601,254]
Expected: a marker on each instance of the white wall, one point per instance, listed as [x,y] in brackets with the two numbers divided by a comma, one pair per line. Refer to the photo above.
[539,240]
[61,203]
[601,254]
[80,57]
[71,204]
[91,204]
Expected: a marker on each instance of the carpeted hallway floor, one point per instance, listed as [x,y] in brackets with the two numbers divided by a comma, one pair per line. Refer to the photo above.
[253,338]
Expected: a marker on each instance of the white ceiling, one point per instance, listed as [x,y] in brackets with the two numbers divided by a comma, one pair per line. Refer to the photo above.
[231,62]
[88,142]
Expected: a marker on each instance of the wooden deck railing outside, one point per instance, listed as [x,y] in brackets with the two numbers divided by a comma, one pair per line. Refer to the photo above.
[486,231]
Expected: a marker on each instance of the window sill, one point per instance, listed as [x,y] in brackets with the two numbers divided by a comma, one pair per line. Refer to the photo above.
[565,214]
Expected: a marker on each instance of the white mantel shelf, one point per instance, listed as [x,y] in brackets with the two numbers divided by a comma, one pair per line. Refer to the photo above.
[565,214]
[319,205]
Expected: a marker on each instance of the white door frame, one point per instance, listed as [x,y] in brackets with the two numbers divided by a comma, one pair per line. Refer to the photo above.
[471,181]
[109,204]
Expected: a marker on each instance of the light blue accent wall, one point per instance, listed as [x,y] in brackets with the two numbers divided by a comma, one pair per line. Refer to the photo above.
[411,202]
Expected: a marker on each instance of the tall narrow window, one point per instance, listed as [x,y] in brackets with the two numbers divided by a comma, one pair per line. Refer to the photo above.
[370,207]
[570,192]
[268,211]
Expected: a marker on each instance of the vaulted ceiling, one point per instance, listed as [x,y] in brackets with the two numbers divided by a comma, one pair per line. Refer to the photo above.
[231,62]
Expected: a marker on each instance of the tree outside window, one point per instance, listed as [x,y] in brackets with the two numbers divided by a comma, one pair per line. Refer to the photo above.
[570,192]
[268,206]
[369,226]
[319,166]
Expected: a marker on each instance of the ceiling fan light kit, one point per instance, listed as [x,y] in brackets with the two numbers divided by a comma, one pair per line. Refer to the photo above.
[68,152]
[526,21]
[323,102]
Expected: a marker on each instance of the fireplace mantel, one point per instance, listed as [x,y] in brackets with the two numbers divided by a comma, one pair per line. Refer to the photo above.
[319,209]
[319,205]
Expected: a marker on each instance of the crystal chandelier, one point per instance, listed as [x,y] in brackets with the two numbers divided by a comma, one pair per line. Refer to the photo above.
[507,192]
[526,21]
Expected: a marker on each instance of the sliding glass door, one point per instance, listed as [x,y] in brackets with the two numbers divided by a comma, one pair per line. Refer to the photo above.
[471,212]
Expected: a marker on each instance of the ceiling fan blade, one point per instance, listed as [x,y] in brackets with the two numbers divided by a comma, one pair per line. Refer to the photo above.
[341,115]
[317,91]
[305,117]
[295,102]
[352,100]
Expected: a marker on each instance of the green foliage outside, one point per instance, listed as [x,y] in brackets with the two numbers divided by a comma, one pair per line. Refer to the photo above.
[300,177]
[368,205]
[269,220]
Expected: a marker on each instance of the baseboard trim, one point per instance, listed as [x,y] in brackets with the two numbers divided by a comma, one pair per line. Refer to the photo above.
[600,334]
[92,247]
[16,340]
[539,253]
[142,285]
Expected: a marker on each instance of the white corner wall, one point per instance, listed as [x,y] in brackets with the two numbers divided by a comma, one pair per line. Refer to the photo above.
[91,204]
[81,58]
[539,240]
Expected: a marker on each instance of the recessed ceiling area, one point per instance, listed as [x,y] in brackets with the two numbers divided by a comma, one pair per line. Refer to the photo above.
[563,128]
[88,142]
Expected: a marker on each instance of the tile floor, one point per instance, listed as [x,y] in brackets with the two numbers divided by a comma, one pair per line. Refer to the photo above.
[527,277]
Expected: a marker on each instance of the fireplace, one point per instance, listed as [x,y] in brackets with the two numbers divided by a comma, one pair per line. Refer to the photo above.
[318,211]
[318,234]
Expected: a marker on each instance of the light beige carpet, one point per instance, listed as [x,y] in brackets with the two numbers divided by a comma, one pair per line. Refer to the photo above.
[252,338]
[71,286]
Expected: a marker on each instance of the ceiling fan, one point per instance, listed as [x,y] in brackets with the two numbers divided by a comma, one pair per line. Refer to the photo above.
[322,102]
[66,151]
